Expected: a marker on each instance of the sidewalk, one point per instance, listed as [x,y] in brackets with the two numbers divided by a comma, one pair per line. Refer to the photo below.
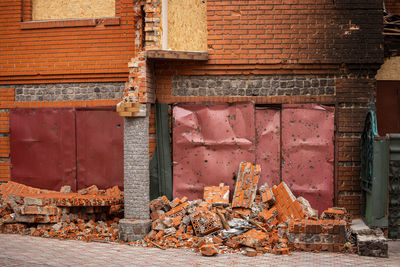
[18,250]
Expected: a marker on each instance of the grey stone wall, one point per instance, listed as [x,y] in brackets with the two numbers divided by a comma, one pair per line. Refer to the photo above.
[255,85]
[136,168]
[68,91]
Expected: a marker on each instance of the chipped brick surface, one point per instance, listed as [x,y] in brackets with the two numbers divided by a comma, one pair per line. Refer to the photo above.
[287,205]
[217,194]
[246,185]
[73,212]
[205,222]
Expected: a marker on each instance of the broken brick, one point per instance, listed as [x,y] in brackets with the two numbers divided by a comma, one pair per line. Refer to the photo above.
[205,222]
[216,194]
[209,249]
[178,211]
[246,185]
[251,238]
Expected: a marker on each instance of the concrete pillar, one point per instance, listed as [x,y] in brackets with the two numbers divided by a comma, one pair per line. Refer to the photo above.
[136,223]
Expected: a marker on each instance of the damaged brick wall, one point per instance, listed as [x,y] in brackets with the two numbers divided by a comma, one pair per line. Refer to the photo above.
[265,32]
[354,96]
[250,41]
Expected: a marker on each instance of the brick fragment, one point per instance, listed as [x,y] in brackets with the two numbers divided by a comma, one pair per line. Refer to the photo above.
[209,249]
[246,185]
[91,190]
[217,194]
[267,196]
[161,203]
[252,238]
[178,211]
[268,215]
[205,222]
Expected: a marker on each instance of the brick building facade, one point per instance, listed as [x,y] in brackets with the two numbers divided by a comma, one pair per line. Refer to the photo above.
[267,52]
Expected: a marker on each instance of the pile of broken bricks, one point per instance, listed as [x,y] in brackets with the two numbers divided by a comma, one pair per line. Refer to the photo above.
[90,214]
[267,220]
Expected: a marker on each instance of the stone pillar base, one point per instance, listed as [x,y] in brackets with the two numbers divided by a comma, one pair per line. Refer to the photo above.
[132,230]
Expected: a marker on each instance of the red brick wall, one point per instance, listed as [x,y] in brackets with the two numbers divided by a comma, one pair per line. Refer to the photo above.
[85,49]
[393,6]
[293,31]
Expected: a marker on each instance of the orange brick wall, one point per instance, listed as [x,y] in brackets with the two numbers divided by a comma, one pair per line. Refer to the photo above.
[293,31]
[89,49]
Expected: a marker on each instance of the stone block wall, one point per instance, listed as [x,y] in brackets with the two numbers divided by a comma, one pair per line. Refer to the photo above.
[254,85]
[136,168]
[68,91]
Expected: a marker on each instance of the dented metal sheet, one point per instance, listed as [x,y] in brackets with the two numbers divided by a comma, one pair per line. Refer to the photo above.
[43,152]
[100,148]
[209,142]
[308,152]
[268,139]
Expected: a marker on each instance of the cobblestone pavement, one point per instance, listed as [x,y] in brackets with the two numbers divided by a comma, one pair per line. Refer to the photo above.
[18,250]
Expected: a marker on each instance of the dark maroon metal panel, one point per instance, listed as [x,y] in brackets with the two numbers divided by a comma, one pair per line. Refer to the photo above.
[388,107]
[268,140]
[100,148]
[308,152]
[209,142]
[43,147]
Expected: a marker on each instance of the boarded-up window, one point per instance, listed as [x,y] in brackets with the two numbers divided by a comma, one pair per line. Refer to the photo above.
[72,9]
[187,25]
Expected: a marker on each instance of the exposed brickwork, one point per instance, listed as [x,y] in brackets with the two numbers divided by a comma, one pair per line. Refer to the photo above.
[254,85]
[216,194]
[80,48]
[317,235]
[246,185]
[4,122]
[68,91]
[5,171]
[265,32]
[6,99]
[354,97]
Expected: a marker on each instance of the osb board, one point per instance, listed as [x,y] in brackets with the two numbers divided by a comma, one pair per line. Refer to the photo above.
[390,70]
[72,9]
[187,25]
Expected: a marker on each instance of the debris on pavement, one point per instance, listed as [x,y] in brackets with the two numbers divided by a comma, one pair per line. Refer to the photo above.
[90,214]
[267,220]
[271,220]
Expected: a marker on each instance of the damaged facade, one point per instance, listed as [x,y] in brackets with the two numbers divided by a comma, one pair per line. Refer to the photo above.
[295,79]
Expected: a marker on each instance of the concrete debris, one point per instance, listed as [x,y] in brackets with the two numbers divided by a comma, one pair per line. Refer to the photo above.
[273,221]
[370,242]
[66,215]
[306,207]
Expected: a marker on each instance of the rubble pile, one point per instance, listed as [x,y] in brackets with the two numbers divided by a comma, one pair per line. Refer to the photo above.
[270,220]
[89,214]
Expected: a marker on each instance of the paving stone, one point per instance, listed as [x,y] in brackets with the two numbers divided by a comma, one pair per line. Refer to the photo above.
[18,250]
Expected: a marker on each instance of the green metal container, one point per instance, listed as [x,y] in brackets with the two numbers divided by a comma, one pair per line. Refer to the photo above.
[374,174]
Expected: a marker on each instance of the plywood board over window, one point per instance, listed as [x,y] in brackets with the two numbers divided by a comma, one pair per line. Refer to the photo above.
[72,9]
[187,25]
